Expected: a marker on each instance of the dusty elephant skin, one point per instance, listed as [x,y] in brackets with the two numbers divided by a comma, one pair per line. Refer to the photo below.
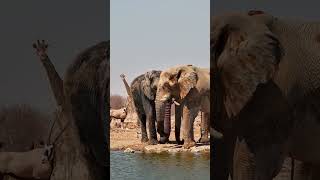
[82,151]
[266,93]
[189,86]
[34,164]
[143,89]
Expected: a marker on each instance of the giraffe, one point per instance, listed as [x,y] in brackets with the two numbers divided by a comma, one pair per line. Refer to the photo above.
[130,105]
[82,151]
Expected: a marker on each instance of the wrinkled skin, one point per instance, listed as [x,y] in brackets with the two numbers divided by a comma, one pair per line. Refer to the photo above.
[31,164]
[189,85]
[144,88]
[267,89]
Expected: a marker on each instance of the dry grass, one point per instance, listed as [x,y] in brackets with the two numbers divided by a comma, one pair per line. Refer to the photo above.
[21,125]
[117,101]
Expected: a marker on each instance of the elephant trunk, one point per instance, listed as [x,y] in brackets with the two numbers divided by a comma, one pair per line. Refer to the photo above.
[162,119]
[167,119]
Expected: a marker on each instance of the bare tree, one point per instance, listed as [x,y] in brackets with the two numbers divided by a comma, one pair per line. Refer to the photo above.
[117,101]
[20,126]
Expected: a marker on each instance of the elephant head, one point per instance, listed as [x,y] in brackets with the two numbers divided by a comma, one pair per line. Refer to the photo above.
[245,53]
[150,83]
[174,83]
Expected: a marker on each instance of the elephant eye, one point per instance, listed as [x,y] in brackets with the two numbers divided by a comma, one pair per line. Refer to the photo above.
[166,85]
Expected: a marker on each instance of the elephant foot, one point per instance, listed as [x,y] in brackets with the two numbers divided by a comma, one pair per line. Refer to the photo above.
[153,142]
[189,144]
[144,139]
[204,140]
[164,140]
[180,142]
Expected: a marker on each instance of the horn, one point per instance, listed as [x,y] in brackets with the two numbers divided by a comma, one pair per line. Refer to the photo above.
[175,102]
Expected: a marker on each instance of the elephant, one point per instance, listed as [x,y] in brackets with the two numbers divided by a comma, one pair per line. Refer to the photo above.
[189,86]
[143,89]
[34,164]
[265,93]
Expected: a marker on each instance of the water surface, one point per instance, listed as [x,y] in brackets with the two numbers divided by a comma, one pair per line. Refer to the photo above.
[142,166]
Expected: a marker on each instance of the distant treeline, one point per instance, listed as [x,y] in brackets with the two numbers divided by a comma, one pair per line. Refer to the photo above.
[117,101]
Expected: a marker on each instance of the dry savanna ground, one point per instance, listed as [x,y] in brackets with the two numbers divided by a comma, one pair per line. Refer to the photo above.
[122,139]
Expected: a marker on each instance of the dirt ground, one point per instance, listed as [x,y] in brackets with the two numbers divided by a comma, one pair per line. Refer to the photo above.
[122,139]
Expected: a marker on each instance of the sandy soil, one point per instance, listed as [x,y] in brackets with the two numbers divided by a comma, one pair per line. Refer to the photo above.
[122,139]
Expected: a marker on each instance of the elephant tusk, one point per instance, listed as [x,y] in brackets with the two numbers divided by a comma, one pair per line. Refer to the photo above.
[175,102]
[215,134]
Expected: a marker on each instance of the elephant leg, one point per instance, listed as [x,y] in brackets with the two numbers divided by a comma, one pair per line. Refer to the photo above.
[221,152]
[178,124]
[143,124]
[269,161]
[243,162]
[205,128]
[152,128]
[189,114]
[264,164]
[302,171]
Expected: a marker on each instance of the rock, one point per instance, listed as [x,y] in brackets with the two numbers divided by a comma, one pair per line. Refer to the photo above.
[205,148]
[174,148]
[155,148]
[129,150]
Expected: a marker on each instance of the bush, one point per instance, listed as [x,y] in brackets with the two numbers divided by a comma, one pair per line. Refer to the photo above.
[22,125]
[117,101]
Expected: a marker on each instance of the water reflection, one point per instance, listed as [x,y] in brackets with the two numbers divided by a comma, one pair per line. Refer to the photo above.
[179,166]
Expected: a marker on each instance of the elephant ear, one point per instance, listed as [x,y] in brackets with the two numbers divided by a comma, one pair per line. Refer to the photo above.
[147,87]
[187,79]
[87,86]
[246,54]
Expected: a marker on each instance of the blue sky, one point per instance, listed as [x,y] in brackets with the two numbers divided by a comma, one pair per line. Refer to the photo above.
[153,34]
